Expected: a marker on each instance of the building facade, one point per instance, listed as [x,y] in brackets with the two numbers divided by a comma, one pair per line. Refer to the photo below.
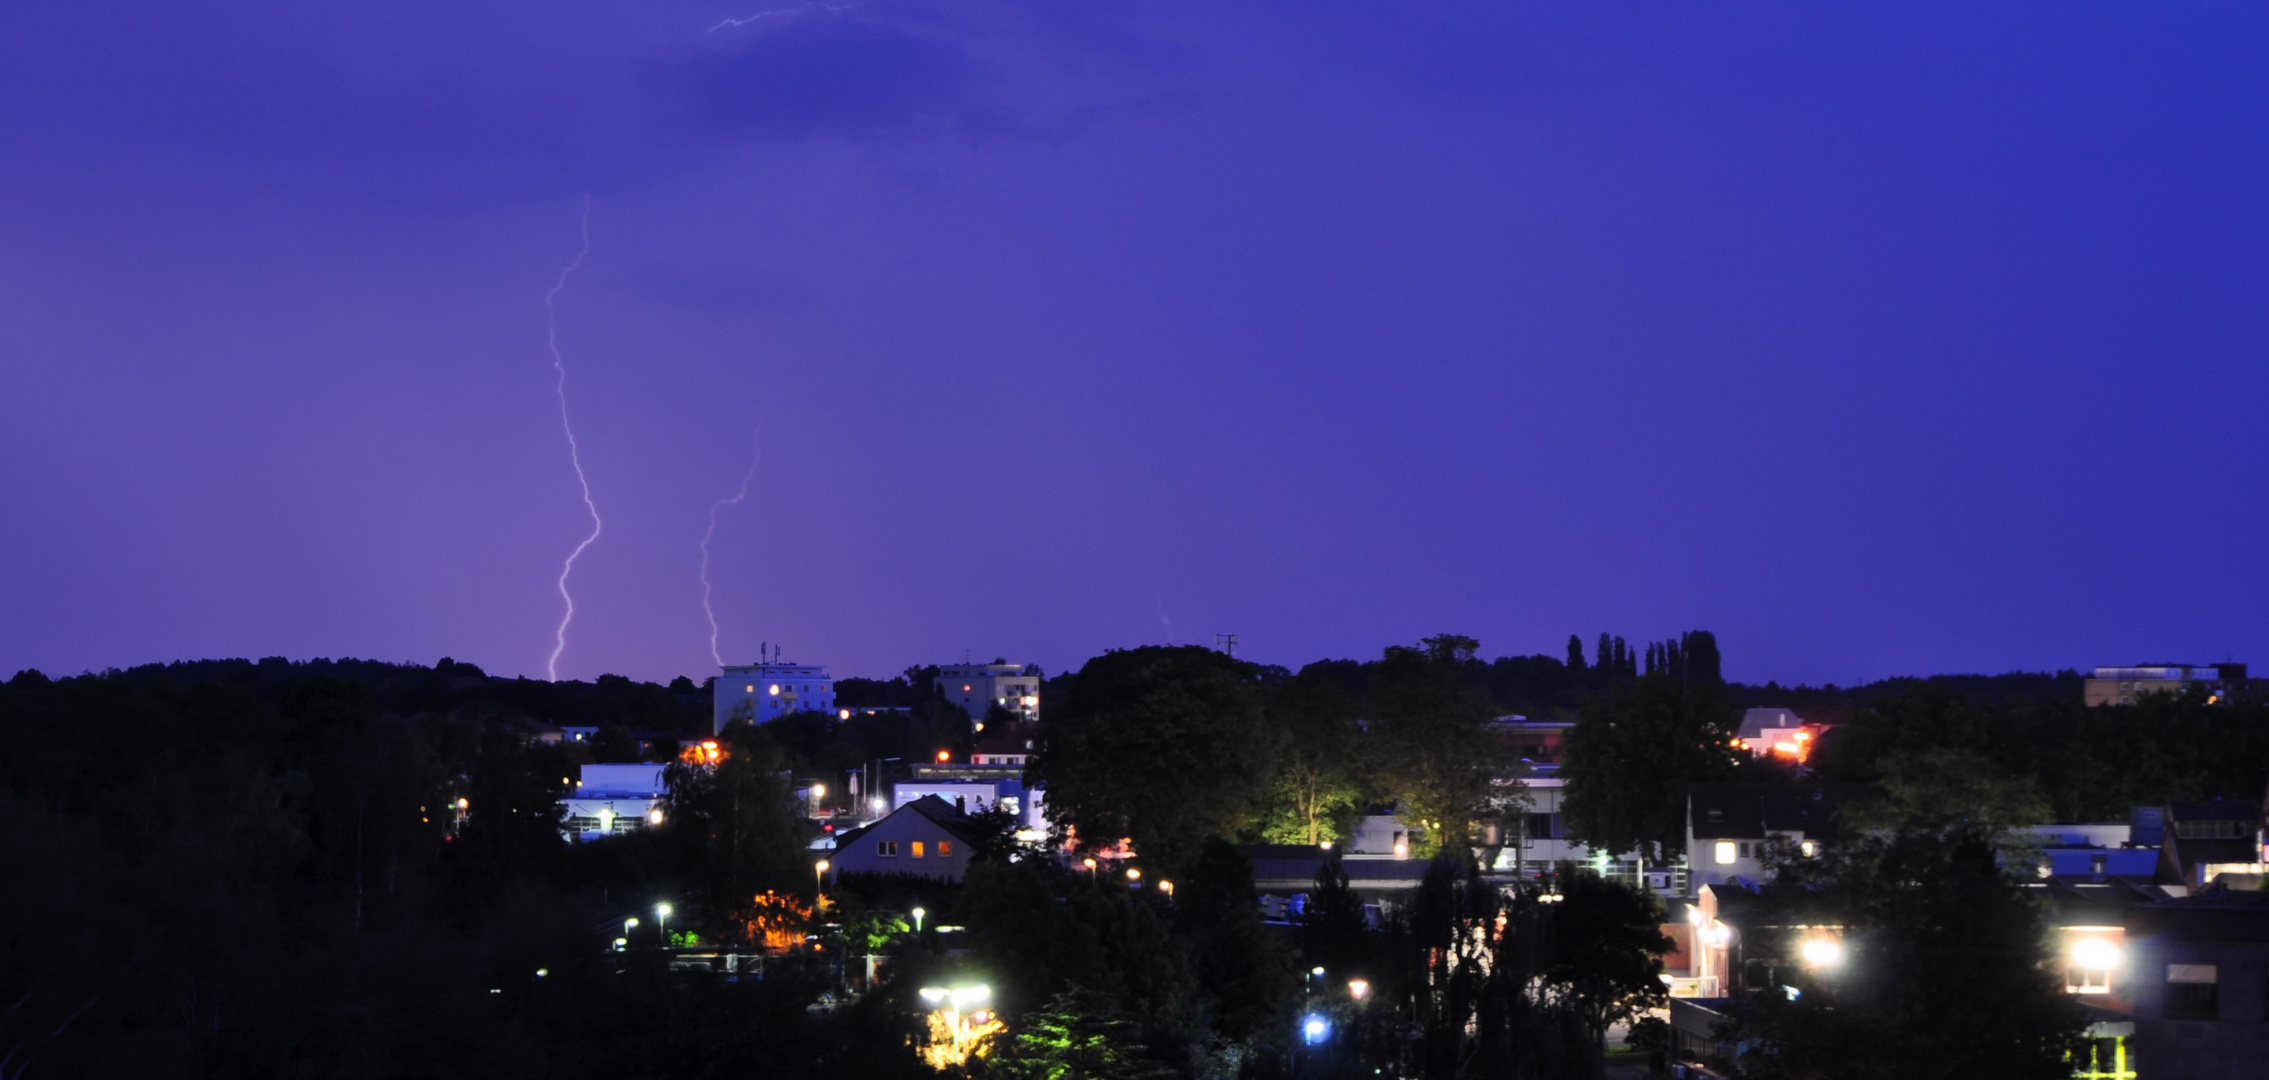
[979,687]
[762,692]
[612,799]
[2123,685]
[926,837]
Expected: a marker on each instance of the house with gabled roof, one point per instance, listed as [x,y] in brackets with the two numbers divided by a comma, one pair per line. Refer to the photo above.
[927,837]
[1729,827]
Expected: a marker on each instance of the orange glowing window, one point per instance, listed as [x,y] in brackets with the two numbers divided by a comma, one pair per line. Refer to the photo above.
[945,849]
[917,848]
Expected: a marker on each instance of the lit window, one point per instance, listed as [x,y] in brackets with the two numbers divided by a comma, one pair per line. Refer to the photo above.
[917,849]
[1725,853]
[945,849]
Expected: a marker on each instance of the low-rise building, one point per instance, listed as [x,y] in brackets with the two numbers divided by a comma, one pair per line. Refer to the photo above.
[1538,742]
[926,837]
[2126,685]
[2209,838]
[1778,732]
[611,799]
[1730,827]
[979,687]
[2201,996]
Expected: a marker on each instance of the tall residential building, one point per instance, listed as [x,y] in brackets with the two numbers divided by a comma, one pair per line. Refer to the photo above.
[764,692]
[979,687]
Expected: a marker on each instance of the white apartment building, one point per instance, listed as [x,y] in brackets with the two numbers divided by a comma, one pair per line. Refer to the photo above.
[979,687]
[764,692]
[611,799]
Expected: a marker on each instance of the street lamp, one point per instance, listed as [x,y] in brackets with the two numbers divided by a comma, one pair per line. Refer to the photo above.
[628,925]
[1133,874]
[1314,1029]
[1167,887]
[1089,863]
[1358,989]
[818,879]
[918,913]
[662,922]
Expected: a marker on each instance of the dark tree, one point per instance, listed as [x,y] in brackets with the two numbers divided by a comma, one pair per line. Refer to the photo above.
[1165,746]
[1632,755]
[1947,972]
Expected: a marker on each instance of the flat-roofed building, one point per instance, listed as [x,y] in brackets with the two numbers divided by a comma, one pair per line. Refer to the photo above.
[979,687]
[761,692]
[2125,685]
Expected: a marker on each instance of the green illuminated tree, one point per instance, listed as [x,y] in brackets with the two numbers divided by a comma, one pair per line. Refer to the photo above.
[1430,731]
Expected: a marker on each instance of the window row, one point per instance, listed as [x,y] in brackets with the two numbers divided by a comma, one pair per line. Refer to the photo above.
[888,849]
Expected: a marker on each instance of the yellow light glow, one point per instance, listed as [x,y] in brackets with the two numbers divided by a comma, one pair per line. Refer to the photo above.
[2096,954]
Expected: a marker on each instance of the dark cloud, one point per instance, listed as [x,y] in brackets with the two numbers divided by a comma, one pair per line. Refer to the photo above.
[822,77]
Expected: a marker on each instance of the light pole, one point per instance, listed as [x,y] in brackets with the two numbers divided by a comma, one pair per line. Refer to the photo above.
[662,922]
[818,881]
[1090,864]
[628,925]
[918,913]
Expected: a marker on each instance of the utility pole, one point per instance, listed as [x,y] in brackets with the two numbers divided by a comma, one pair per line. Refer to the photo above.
[1225,643]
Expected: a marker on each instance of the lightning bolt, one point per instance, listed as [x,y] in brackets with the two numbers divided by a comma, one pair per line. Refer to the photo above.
[720,504]
[574,451]
[760,16]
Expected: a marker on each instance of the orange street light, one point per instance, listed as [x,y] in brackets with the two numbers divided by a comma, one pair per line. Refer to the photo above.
[818,879]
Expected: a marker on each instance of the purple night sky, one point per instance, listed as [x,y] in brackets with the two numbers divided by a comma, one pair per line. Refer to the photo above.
[1880,339]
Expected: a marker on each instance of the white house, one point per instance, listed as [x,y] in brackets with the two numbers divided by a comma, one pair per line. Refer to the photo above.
[762,692]
[611,799]
[926,836]
[1729,827]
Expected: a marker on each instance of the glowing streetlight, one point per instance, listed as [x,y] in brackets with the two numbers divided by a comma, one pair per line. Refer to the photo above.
[818,878]
[662,922]
[1167,887]
[1133,874]
[1090,864]
[918,913]
[1314,1029]
[1358,989]
[945,756]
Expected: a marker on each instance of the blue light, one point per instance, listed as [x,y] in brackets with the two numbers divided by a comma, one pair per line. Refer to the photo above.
[1315,1029]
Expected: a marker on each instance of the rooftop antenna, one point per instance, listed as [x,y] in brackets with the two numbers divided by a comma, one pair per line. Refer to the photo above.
[1225,643]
